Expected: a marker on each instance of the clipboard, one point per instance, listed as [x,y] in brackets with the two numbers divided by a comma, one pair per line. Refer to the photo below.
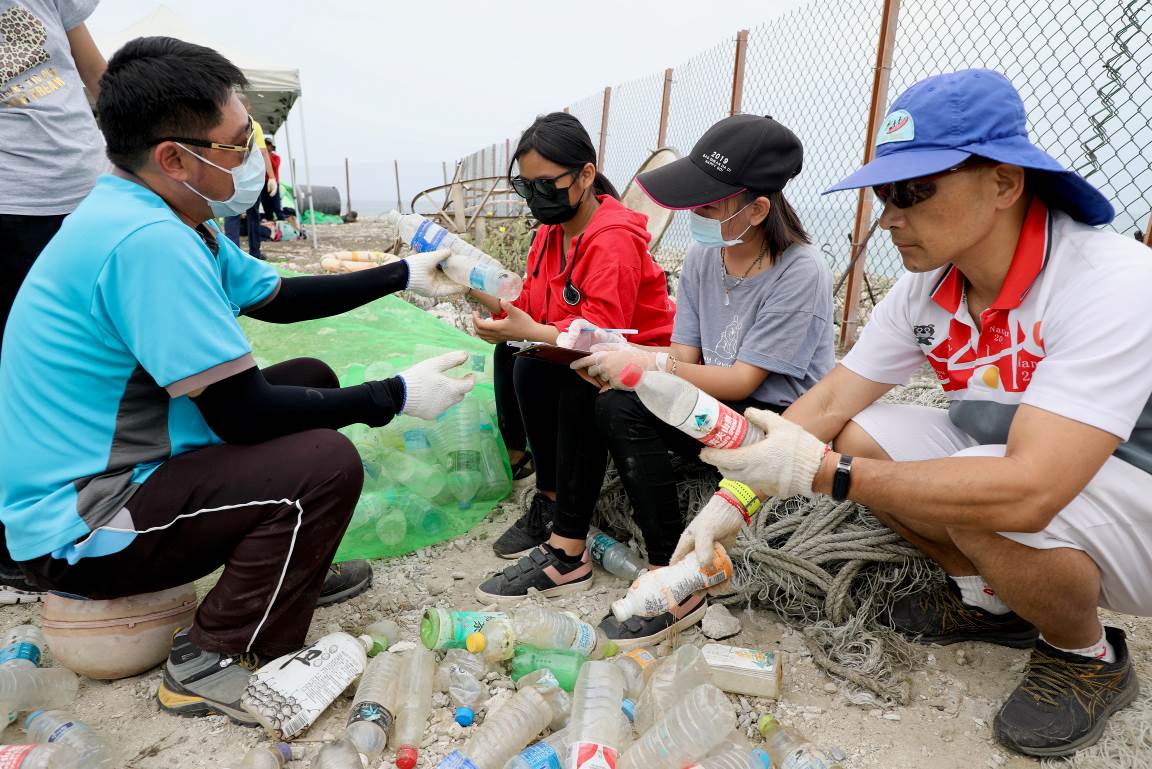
[551,353]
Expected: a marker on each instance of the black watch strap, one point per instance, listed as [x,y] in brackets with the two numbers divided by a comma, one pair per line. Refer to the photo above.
[842,480]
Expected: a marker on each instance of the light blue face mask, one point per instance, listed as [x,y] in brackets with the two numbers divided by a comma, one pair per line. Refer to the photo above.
[247,181]
[708,232]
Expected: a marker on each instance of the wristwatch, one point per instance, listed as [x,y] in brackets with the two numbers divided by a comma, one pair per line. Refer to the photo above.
[842,479]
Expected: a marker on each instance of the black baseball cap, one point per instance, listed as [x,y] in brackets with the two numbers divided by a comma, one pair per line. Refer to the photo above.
[740,153]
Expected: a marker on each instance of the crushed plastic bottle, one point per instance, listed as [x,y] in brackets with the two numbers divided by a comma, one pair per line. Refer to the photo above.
[287,698]
[563,664]
[696,725]
[504,733]
[461,674]
[689,409]
[674,676]
[637,666]
[468,265]
[374,705]
[415,703]
[341,754]
[24,647]
[614,557]
[415,473]
[791,750]
[548,753]
[597,728]
[443,629]
[656,592]
[271,756]
[560,701]
[23,689]
[735,755]
[542,628]
[57,727]
[38,757]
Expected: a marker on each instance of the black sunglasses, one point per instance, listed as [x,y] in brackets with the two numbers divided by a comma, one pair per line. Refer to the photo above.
[530,188]
[909,192]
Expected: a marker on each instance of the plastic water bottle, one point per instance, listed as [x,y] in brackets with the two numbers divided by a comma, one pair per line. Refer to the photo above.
[558,699]
[38,757]
[390,522]
[674,676]
[57,727]
[23,689]
[461,674]
[341,754]
[24,647]
[503,734]
[468,265]
[443,629]
[788,748]
[733,755]
[417,474]
[271,756]
[457,435]
[563,664]
[614,557]
[597,729]
[548,753]
[658,591]
[637,666]
[414,693]
[698,723]
[385,633]
[689,409]
[542,628]
[494,470]
[374,706]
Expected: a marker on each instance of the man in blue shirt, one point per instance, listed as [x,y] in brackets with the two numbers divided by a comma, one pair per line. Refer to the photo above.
[140,446]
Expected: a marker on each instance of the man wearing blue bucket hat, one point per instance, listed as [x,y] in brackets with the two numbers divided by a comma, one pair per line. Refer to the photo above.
[1034,490]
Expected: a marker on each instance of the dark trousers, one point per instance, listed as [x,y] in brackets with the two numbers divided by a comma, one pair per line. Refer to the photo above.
[639,443]
[272,514]
[271,205]
[252,217]
[548,407]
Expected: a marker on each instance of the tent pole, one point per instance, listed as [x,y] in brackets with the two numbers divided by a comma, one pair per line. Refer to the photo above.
[308,173]
[292,170]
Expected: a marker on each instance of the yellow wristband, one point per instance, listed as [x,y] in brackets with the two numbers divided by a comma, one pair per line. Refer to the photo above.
[743,493]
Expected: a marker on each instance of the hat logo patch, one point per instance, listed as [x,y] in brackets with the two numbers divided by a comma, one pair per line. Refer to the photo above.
[719,161]
[897,127]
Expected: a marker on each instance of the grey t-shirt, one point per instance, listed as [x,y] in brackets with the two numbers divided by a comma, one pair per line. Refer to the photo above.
[50,148]
[779,320]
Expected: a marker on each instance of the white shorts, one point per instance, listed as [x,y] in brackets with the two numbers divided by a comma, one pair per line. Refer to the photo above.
[1111,520]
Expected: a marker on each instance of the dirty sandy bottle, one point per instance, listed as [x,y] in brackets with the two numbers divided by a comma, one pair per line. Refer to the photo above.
[696,725]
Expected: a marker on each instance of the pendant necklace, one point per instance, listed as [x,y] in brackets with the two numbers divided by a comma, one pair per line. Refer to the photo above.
[725,277]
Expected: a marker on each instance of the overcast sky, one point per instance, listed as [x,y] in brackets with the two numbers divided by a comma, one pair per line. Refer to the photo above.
[431,81]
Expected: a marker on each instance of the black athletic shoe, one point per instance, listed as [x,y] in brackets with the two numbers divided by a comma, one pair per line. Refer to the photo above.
[938,616]
[530,530]
[1065,700]
[202,683]
[15,587]
[635,632]
[523,467]
[344,581]
[540,571]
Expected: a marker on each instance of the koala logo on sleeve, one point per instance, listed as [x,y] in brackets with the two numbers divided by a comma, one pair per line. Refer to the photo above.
[924,333]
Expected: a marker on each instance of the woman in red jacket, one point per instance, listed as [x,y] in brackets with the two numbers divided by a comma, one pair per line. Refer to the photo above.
[589,260]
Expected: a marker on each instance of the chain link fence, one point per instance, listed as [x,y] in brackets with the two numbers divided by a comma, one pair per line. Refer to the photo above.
[1080,66]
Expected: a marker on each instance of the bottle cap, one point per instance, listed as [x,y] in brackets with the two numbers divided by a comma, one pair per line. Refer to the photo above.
[767,724]
[465,716]
[611,649]
[378,647]
[629,708]
[31,717]
[476,642]
[285,751]
[406,757]
[630,376]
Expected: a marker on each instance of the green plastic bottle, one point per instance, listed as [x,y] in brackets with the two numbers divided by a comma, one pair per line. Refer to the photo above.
[565,665]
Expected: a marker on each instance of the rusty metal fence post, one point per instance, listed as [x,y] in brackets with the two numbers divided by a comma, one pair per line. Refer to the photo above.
[851,320]
[738,71]
[604,125]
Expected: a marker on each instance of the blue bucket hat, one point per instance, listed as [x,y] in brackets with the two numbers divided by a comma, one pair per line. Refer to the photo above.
[942,121]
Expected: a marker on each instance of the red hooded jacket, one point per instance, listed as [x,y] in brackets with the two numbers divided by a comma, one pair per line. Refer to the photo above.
[621,285]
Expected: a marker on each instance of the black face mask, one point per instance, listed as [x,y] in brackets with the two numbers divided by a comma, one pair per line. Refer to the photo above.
[553,208]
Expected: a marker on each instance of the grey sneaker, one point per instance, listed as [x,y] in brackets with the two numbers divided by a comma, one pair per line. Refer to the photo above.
[529,531]
[542,572]
[201,683]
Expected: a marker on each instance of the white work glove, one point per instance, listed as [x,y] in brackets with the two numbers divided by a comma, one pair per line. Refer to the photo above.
[427,392]
[717,521]
[784,464]
[427,279]
[582,335]
[271,186]
[608,362]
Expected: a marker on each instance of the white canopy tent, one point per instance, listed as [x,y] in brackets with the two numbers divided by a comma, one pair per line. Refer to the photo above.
[272,91]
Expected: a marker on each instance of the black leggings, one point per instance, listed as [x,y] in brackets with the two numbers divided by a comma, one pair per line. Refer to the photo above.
[549,407]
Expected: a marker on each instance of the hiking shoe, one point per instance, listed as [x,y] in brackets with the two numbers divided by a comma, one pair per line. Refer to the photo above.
[530,530]
[15,587]
[202,683]
[541,571]
[635,632]
[936,615]
[344,581]
[523,467]
[1065,700]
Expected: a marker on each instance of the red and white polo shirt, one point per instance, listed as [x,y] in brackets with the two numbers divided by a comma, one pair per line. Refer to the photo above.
[1070,333]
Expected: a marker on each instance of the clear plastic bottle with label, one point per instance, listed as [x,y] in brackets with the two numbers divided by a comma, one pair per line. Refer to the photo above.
[614,557]
[597,729]
[414,695]
[544,629]
[271,756]
[548,753]
[38,757]
[690,410]
[735,754]
[374,705]
[637,666]
[444,629]
[791,750]
[58,727]
[467,265]
[658,591]
[504,732]
[687,733]
[23,649]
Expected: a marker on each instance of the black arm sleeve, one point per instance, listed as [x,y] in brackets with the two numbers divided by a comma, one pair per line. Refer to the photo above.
[320,296]
[246,409]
